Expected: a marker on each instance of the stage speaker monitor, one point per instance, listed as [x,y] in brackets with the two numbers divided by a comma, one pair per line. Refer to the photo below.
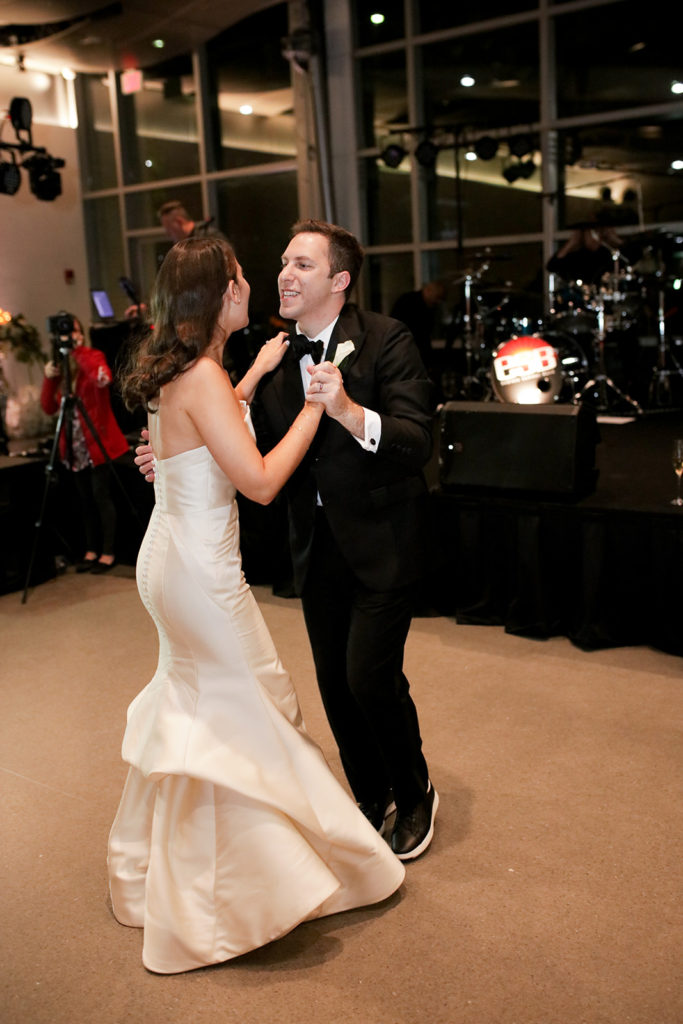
[545,449]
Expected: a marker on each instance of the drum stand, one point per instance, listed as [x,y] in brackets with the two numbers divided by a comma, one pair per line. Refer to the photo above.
[600,384]
[472,387]
[659,392]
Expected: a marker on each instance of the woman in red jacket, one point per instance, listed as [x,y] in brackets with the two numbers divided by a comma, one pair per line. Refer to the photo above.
[90,380]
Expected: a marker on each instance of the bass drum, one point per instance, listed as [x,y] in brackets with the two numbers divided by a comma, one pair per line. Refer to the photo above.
[530,370]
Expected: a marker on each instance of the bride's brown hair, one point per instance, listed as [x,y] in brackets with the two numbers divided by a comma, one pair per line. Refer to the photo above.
[185,307]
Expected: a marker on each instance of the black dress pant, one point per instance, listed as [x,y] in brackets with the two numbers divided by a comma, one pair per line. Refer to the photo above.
[98,508]
[358,638]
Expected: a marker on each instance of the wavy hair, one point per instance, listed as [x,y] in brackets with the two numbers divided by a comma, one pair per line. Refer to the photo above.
[185,306]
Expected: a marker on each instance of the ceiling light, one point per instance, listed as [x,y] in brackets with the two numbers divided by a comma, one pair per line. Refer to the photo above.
[393,155]
[246,109]
[377,19]
[68,74]
[158,44]
[677,88]
[486,147]
[467,81]
[470,155]
[677,165]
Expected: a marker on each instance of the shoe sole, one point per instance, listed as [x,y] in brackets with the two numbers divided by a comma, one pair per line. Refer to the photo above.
[412,854]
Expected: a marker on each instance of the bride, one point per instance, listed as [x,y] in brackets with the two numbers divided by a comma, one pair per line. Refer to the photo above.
[231,829]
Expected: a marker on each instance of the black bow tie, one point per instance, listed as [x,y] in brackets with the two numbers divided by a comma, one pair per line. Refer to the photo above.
[300,345]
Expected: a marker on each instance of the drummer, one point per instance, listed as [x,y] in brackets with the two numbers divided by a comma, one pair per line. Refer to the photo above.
[586,263]
[587,255]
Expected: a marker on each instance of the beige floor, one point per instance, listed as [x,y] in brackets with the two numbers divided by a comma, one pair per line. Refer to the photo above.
[550,894]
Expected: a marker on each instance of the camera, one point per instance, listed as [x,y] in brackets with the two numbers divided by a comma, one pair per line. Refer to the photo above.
[62,326]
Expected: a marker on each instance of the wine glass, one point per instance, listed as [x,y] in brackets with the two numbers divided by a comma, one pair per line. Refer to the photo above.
[677,463]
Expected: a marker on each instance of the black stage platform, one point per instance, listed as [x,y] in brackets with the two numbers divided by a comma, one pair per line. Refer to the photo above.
[605,569]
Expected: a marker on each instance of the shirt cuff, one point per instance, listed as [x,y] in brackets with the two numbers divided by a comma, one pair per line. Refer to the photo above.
[373,431]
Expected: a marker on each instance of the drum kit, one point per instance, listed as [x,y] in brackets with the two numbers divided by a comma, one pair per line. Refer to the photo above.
[513,352]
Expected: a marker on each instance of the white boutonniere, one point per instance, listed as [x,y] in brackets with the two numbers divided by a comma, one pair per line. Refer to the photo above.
[343,354]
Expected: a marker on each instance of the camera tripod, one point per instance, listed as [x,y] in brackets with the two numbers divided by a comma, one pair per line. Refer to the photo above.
[68,404]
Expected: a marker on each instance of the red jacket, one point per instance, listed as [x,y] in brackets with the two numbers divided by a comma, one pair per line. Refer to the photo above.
[91,385]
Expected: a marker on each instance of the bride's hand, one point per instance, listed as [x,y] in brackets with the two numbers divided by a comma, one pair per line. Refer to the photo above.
[144,457]
[270,354]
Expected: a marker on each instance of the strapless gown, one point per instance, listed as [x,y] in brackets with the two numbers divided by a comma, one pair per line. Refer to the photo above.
[231,829]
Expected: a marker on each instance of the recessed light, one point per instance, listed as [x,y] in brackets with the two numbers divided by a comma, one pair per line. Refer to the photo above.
[377,19]
[246,109]
[158,44]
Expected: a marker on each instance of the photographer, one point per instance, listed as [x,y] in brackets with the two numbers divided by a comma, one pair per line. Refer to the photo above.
[78,370]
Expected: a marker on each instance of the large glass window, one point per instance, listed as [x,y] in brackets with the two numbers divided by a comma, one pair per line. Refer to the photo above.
[387,193]
[378,22]
[159,133]
[625,171]
[251,94]
[383,96]
[105,248]
[259,239]
[142,207]
[488,80]
[615,56]
[98,170]
[434,14]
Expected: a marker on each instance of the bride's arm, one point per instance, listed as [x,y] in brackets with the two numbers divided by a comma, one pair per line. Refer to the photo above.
[210,401]
[267,358]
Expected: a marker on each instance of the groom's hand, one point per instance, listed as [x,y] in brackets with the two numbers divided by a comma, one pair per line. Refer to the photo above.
[144,457]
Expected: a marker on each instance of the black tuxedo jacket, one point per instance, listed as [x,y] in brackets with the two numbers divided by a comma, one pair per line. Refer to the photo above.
[376,503]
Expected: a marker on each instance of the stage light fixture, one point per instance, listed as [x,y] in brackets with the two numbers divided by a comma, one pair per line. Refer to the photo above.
[43,179]
[527,168]
[393,155]
[426,153]
[486,147]
[521,145]
[21,115]
[511,173]
[10,178]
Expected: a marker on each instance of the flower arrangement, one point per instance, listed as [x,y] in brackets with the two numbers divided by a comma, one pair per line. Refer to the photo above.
[20,339]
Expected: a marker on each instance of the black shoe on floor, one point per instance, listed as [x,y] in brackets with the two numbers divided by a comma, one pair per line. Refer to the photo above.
[378,811]
[100,567]
[413,832]
[86,565]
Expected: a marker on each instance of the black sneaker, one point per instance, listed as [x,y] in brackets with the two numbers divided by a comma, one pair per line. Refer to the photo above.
[413,832]
[378,811]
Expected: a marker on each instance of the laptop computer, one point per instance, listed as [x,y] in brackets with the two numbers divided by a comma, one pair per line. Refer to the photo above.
[102,304]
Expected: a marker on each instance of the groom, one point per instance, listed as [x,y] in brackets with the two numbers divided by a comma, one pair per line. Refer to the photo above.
[357,519]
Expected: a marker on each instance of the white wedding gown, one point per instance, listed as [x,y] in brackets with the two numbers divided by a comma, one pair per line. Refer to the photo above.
[231,828]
